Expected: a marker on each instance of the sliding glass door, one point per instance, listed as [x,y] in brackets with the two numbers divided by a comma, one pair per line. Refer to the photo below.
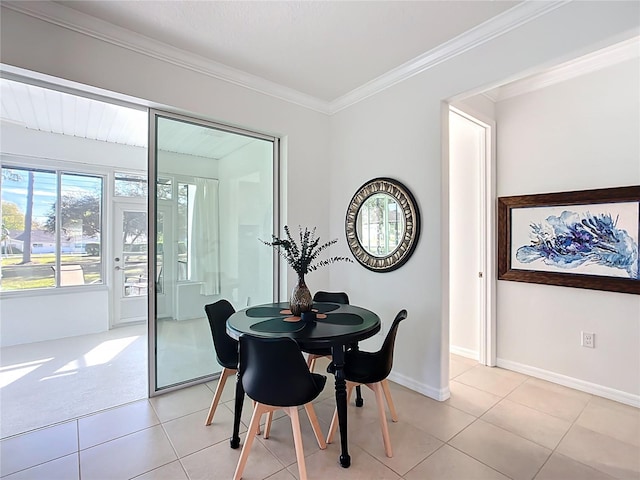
[213,198]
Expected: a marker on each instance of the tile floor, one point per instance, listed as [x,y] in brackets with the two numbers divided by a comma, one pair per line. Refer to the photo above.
[57,380]
[497,424]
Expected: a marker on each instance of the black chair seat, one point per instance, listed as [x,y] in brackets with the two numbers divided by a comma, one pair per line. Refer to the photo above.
[364,367]
[226,349]
[321,352]
[372,369]
[274,375]
[276,380]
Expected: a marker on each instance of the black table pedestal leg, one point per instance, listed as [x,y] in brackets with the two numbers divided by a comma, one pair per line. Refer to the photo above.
[341,403]
[235,438]
[359,400]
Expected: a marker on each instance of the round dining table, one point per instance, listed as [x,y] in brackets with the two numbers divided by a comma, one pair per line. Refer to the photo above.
[334,326]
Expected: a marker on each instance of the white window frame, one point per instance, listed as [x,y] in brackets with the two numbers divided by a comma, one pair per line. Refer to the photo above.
[106,216]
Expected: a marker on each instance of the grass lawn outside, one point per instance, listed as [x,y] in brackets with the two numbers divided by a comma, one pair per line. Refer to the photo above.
[39,273]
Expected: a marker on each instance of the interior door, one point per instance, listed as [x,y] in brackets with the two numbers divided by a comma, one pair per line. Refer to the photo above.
[212,196]
[130,276]
[472,322]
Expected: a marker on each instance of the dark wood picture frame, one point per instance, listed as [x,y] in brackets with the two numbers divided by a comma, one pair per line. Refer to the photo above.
[585,198]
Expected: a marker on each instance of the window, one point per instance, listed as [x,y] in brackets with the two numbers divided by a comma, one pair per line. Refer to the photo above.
[186,195]
[164,189]
[51,229]
[127,185]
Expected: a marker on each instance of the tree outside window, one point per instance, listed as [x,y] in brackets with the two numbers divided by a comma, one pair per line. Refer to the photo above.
[34,254]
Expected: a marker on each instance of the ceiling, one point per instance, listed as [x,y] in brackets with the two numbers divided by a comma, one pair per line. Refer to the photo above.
[324,49]
[323,55]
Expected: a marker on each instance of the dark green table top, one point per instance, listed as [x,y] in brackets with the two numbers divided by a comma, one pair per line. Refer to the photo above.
[335,324]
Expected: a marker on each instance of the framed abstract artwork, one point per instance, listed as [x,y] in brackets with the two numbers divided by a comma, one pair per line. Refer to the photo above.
[584,239]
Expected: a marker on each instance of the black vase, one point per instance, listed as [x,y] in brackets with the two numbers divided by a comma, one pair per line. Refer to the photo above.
[301,300]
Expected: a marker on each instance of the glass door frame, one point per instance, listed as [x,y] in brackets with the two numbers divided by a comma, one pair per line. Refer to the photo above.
[152,209]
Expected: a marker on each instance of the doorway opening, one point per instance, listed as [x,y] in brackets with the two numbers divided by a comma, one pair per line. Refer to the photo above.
[83,255]
[471,237]
[66,351]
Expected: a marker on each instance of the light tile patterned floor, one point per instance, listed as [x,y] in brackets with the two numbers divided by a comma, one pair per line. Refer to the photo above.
[496,425]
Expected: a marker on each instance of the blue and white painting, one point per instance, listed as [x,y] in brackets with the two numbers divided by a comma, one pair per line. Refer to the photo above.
[597,239]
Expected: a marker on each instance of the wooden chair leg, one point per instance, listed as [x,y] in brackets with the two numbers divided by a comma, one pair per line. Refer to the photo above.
[315,425]
[377,388]
[267,424]
[226,372]
[311,361]
[258,411]
[387,395]
[297,440]
[334,421]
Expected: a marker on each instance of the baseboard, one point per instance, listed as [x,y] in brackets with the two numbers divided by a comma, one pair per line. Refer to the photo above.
[435,393]
[575,383]
[464,352]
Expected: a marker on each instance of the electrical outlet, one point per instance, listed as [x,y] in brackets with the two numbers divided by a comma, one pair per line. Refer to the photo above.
[588,339]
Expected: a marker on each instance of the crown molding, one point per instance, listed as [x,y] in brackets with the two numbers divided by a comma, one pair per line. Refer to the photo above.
[68,18]
[606,57]
[485,32]
[93,27]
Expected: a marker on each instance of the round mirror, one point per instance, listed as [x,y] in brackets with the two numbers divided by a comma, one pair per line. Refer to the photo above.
[382,224]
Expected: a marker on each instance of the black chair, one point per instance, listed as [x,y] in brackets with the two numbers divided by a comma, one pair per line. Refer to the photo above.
[226,350]
[315,353]
[372,369]
[274,375]
[225,346]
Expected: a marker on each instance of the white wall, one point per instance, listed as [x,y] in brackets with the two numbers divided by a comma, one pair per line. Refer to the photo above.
[398,133]
[576,135]
[30,318]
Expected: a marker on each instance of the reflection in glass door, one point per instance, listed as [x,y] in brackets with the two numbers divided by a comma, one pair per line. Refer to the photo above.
[213,201]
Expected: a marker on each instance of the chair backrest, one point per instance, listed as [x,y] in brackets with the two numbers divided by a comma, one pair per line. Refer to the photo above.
[331,297]
[274,372]
[226,347]
[386,352]
[372,367]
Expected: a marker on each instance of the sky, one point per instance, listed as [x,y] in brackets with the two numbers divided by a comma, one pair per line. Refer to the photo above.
[44,190]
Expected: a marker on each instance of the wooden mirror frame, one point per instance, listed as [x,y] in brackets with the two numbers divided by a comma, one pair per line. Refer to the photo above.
[406,246]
